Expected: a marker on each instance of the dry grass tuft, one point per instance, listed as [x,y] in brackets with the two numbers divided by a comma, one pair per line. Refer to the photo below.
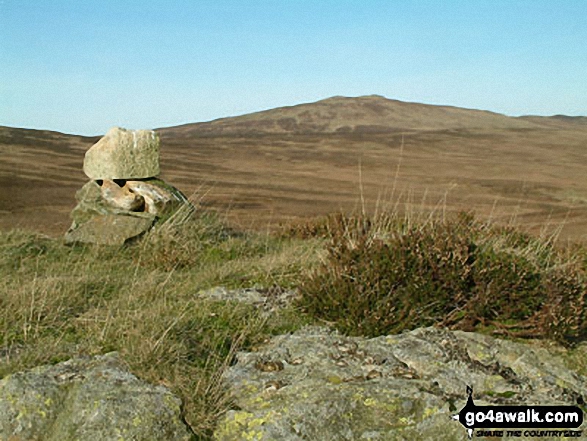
[58,302]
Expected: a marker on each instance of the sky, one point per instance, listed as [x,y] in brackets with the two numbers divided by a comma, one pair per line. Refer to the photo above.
[83,66]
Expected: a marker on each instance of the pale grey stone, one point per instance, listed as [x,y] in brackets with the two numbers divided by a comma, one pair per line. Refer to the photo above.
[268,299]
[318,384]
[123,154]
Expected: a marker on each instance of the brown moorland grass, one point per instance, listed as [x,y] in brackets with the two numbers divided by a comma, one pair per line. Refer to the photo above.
[313,159]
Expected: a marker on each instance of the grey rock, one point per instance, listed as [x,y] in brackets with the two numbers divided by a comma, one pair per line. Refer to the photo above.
[111,214]
[121,198]
[87,399]
[109,229]
[159,197]
[123,154]
[318,384]
[268,299]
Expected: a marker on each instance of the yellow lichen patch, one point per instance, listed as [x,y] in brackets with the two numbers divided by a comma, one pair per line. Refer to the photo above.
[252,435]
[242,417]
[480,355]
[244,425]
[390,407]
[492,382]
[369,402]
[120,434]
[429,411]
[250,387]
[357,396]
[172,402]
[334,379]
[259,402]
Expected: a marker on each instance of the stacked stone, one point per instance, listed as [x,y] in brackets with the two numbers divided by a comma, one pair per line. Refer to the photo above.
[124,198]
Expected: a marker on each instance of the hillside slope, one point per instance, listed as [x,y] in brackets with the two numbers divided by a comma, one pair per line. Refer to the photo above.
[354,115]
[315,158]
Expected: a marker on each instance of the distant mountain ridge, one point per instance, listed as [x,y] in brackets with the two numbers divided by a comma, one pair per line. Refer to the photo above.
[337,114]
[359,115]
[304,161]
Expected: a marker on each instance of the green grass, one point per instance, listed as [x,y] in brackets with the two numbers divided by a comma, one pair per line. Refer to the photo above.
[365,275]
[140,300]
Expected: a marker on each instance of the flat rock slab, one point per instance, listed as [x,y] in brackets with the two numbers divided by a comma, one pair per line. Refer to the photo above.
[316,384]
[110,229]
[123,154]
[268,299]
[87,399]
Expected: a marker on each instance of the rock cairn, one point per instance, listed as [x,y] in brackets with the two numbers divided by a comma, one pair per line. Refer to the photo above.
[124,198]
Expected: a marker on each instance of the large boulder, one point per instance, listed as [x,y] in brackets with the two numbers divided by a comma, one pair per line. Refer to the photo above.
[98,222]
[123,154]
[109,229]
[88,399]
[317,384]
[111,213]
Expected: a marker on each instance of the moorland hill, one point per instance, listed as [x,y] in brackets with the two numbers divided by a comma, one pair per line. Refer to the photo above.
[334,154]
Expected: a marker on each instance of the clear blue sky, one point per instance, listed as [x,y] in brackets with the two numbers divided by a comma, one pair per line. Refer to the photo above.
[82,66]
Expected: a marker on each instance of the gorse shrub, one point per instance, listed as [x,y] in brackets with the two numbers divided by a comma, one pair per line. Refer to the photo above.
[386,274]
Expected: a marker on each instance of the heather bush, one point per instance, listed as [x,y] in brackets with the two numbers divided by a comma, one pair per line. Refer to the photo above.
[387,274]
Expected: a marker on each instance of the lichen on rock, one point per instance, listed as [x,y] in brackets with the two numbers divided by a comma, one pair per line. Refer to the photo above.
[123,154]
[401,387]
[88,399]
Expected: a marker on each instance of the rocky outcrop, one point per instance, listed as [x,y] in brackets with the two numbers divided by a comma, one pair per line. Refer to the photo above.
[123,154]
[124,199]
[318,384]
[87,399]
